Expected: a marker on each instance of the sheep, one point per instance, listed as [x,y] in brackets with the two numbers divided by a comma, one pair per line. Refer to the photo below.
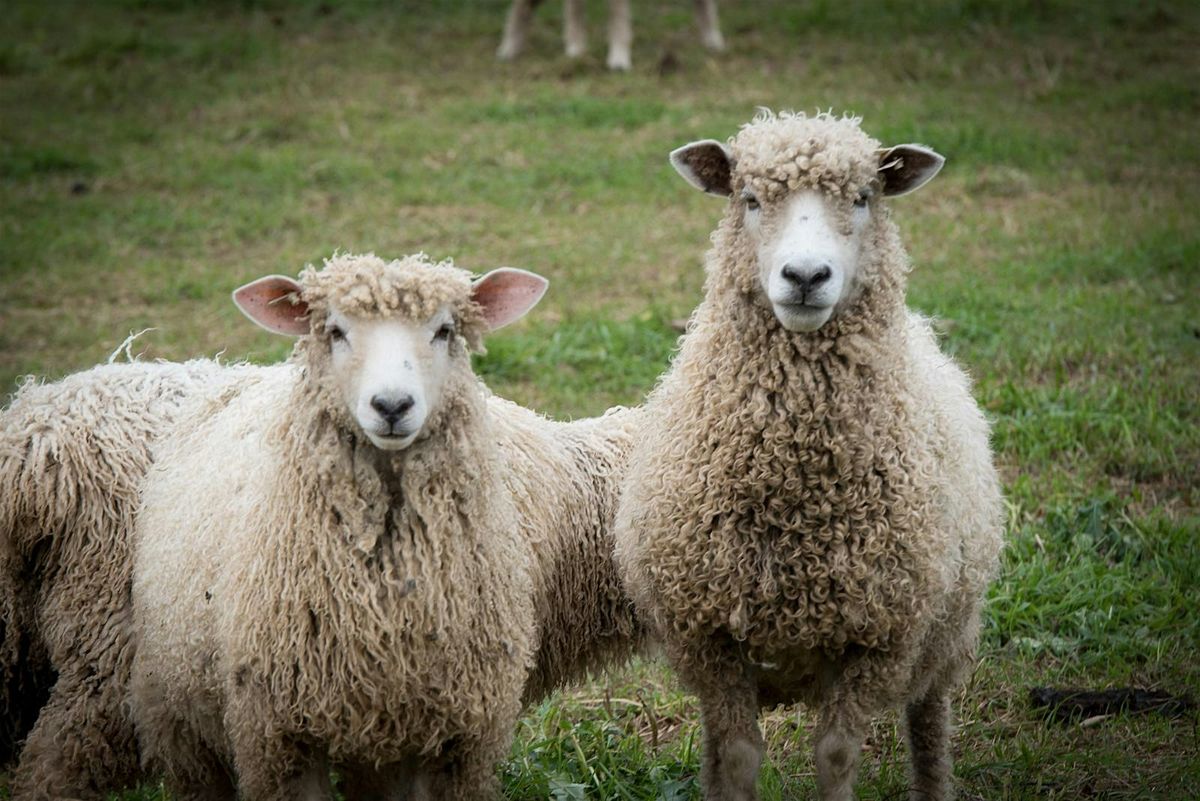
[811,512]
[72,456]
[89,439]
[328,569]
[565,479]
[620,30]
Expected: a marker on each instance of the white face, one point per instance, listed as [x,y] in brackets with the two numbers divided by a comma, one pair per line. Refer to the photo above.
[808,249]
[391,372]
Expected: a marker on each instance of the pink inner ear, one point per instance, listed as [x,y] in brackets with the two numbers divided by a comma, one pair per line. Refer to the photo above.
[507,294]
[266,302]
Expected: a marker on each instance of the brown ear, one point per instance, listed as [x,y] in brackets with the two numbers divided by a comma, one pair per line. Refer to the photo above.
[506,294]
[273,302]
[906,168]
[706,165]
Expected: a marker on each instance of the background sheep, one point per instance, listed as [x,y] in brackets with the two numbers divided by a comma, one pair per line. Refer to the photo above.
[72,457]
[620,30]
[565,479]
[328,567]
[811,512]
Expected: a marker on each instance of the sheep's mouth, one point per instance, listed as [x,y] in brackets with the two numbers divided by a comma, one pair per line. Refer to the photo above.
[802,316]
[392,439]
[802,307]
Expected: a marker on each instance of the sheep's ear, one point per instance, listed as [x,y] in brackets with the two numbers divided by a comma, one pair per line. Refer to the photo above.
[506,294]
[274,303]
[706,165]
[906,168]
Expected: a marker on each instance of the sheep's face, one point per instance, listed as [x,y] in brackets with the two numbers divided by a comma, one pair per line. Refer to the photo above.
[389,336]
[803,194]
[391,371]
[807,247]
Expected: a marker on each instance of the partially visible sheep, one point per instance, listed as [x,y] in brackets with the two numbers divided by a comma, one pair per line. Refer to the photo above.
[328,566]
[620,30]
[565,479]
[811,512]
[72,457]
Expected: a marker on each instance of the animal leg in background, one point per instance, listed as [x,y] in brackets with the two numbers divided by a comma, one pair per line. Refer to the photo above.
[709,25]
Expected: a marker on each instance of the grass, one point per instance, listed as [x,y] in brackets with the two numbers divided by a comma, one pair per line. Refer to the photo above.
[156,153]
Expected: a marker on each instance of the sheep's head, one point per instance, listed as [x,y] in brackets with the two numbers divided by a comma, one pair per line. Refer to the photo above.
[385,337]
[805,192]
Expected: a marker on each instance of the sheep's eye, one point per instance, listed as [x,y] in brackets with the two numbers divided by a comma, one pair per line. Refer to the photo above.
[336,334]
[443,333]
[751,202]
[863,197]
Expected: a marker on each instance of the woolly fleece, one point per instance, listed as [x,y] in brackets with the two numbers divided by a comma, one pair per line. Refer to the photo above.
[564,476]
[809,516]
[565,479]
[299,593]
[72,457]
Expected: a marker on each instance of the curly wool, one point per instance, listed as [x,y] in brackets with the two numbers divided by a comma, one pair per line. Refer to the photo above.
[789,490]
[564,476]
[72,457]
[412,287]
[777,154]
[565,480]
[382,609]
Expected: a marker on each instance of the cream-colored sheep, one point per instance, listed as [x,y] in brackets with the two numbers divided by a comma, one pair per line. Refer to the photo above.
[84,447]
[620,30]
[565,479]
[328,566]
[811,512]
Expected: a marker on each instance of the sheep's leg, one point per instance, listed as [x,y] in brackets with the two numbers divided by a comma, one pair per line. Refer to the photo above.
[733,744]
[207,778]
[574,32]
[927,729]
[620,35]
[466,772]
[79,746]
[837,749]
[709,25]
[394,782]
[516,29]
[270,770]
[854,688]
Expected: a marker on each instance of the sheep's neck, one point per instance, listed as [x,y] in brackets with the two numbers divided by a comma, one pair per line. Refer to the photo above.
[831,404]
[368,497]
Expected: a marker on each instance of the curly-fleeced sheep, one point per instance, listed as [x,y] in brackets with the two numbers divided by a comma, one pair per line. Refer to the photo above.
[620,30]
[96,429]
[328,566]
[565,479]
[811,512]
[72,457]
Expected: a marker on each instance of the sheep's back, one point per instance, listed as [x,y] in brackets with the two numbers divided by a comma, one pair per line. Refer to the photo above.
[565,481]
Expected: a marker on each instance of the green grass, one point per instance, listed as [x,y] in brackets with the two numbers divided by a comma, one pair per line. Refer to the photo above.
[156,153]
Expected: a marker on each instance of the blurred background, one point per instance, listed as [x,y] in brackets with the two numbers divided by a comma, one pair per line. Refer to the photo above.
[155,154]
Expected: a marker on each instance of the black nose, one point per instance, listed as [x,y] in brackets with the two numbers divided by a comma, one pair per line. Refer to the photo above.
[807,280]
[392,409]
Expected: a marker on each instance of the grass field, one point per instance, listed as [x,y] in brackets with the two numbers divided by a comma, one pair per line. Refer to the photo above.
[154,154]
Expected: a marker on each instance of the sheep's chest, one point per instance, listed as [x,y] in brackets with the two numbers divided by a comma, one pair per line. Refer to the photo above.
[404,645]
[797,538]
